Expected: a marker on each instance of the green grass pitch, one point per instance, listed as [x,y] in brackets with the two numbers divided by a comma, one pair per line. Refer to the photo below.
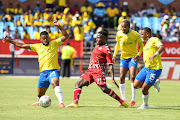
[17,95]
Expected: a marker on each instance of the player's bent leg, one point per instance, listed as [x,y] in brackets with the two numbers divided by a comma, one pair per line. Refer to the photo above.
[122,85]
[112,94]
[77,91]
[145,96]
[58,91]
[132,70]
[41,92]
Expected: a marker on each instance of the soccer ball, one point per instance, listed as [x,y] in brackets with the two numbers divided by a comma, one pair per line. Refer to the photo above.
[45,101]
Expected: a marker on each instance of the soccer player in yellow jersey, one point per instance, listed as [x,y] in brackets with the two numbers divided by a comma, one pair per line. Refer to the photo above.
[147,77]
[48,62]
[127,40]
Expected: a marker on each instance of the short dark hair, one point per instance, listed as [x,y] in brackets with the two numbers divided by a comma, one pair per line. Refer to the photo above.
[126,22]
[147,29]
[68,43]
[104,33]
[44,33]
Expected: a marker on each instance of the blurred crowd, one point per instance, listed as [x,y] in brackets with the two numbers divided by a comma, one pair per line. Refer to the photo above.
[83,22]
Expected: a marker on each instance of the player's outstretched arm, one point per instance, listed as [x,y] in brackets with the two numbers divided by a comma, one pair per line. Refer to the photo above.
[17,44]
[159,51]
[65,34]
[111,71]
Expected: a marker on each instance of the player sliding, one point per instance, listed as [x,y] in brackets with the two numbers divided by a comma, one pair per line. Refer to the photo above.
[48,62]
[127,40]
[153,67]
[100,56]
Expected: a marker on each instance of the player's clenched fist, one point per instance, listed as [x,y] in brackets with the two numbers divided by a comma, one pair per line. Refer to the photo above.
[56,23]
[6,40]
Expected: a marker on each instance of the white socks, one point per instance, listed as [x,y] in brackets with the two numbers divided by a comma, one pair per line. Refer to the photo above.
[59,94]
[133,92]
[145,99]
[122,88]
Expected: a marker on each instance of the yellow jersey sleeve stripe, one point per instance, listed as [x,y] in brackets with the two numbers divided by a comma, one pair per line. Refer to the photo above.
[30,47]
[160,45]
[140,42]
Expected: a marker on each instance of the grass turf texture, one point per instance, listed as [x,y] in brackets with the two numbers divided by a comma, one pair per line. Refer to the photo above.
[18,94]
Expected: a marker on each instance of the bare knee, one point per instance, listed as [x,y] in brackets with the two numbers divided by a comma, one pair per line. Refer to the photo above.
[132,77]
[81,83]
[144,91]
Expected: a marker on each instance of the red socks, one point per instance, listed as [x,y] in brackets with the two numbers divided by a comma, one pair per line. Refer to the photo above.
[114,95]
[77,93]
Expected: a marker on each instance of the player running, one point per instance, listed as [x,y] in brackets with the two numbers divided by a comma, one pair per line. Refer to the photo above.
[127,40]
[48,62]
[100,56]
[153,67]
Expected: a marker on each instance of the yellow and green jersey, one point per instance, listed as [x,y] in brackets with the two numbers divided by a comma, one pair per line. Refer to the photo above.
[48,57]
[149,49]
[127,43]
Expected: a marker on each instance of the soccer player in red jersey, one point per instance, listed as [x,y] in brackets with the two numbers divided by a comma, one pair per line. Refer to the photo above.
[100,56]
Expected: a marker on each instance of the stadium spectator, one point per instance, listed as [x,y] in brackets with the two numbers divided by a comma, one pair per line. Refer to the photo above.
[125,8]
[143,11]
[8,17]
[86,8]
[77,19]
[57,15]
[66,18]
[175,36]
[51,36]
[68,54]
[169,10]
[162,13]
[85,16]
[88,36]
[62,4]
[18,10]
[7,33]
[49,5]
[1,8]
[17,34]
[165,24]
[28,22]
[18,22]
[37,23]
[99,14]
[151,11]
[48,22]
[134,26]
[57,33]
[157,14]
[75,9]
[10,8]
[112,16]
[38,7]
[123,17]
[37,14]
[26,35]
[37,34]
[46,14]
[78,32]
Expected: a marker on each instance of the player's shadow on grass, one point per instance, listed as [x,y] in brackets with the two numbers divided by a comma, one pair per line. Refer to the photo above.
[99,106]
[166,107]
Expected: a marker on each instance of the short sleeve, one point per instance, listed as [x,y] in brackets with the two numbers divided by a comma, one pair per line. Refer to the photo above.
[158,42]
[34,47]
[58,42]
[139,40]
[108,55]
